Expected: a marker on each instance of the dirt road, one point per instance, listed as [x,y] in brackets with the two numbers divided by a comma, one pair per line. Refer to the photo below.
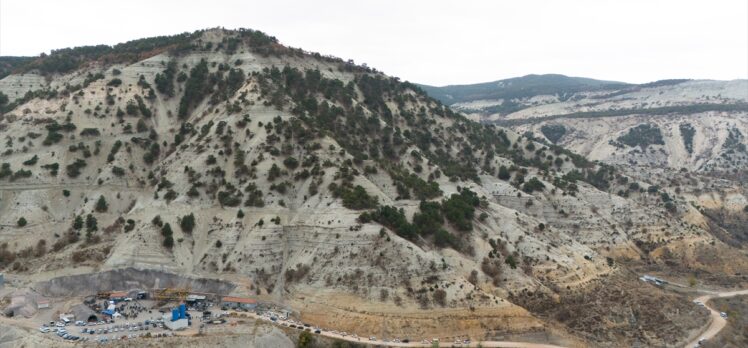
[379,341]
[717,322]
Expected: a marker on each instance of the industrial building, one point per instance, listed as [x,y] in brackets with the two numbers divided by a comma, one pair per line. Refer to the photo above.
[193,300]
[179,319]
[118,296]
[239,302]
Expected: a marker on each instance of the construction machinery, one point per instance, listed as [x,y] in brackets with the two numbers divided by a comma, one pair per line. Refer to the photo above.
[166,295]
[103,295]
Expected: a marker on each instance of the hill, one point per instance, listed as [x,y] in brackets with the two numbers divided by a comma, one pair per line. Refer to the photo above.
[699,123]
[341,193]
[518,88]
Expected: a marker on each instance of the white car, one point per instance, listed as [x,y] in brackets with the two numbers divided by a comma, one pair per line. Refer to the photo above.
[43,330]
[723,315]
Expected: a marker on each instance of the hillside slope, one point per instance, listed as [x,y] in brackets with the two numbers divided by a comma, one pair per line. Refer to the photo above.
[696,124]
[344,193]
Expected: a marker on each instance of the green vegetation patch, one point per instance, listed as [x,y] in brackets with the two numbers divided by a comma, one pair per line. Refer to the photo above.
[642,135]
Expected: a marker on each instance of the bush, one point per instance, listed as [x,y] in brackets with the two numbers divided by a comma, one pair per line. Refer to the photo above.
[504,173]
[187,223]
[166,230]
[429,219]
[52,167]
[642,135]
[442,239]
[440,297]
[140,126]
[21,173]
[21,222]
[157,221]
[90,132]
[31,161]
[306,340]
[460,208]
[511,261]
[118,171]
[195,88]
[144,110]
[165,81]
[130,225]
[5,170]
[274,172]
[229,199]
[115,82]
[153,152]
[170,195]
[553,132]
[74,169]
[533,185]
[358,198]
[291,163]
[393,218]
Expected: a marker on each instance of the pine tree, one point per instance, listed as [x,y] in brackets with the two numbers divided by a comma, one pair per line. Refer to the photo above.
[78,223]
[101,205]
[91,224]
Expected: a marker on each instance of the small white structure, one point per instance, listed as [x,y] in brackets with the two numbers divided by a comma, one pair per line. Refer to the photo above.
[42,304]
[67,318]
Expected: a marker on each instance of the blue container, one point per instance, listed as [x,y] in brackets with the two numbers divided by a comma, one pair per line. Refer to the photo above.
[182,311]
[174,314]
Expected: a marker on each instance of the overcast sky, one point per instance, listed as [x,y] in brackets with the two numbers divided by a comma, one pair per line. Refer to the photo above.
[432,42]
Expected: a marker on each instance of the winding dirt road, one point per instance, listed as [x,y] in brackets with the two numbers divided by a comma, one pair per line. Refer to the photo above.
[717,322]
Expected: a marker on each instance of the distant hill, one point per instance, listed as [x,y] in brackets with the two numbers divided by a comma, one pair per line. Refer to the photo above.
[699,120]
[519,87]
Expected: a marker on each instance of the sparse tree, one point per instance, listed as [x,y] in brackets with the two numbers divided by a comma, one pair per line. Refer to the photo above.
[101,205]
[91,223]
[187,223]
[78,223]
